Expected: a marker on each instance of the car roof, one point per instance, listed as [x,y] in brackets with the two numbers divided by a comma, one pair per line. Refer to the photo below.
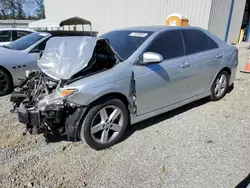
[162,28]
[158,28]
[144,28]
[67,33]
[16,29]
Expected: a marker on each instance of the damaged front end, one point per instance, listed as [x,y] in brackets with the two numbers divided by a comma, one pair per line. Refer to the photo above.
[41,99]
[39,107]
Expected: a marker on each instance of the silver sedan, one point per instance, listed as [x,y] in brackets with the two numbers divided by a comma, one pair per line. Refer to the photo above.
[124,77]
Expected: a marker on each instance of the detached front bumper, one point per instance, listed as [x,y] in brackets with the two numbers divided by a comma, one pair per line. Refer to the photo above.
[32,118]
[59,119]
[53,117]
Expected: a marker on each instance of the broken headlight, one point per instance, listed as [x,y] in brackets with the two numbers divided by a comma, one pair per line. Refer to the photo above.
[56,98]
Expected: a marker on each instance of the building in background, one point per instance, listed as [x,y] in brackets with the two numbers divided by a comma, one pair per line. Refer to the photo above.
[222,17]
[24,24]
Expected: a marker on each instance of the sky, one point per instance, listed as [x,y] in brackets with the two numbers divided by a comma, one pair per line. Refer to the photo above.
[29,7]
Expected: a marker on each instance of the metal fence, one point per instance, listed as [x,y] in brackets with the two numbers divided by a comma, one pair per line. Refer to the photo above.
[15,23]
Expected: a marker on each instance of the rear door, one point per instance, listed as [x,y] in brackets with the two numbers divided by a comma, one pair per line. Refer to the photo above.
[205,57]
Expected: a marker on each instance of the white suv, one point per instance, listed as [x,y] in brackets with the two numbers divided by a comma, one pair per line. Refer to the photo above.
[10,34]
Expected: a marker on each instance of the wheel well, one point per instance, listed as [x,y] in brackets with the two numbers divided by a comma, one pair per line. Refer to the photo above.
[120,96]
[228,70]
[4,69]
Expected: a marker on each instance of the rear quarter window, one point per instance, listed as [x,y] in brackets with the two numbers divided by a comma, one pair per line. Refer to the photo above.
[212,44]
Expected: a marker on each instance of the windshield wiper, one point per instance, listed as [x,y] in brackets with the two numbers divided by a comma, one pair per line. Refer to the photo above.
[4,46]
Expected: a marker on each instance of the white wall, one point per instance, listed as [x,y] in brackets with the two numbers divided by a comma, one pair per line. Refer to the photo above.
[236,21]
[15,23]
[219,17]
[107,15]
[197,11]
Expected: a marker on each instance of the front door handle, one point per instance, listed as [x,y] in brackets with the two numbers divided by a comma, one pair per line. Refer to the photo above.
[219,56]
[185,65]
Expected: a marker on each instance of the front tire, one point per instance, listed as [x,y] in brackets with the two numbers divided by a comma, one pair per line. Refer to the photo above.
[6,84]
[105,123]
[220,86]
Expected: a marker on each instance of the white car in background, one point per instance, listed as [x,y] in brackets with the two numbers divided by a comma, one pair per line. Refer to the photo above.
[11,34]
[22,54]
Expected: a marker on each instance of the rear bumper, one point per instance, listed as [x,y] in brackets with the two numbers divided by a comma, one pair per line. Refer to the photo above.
[233,74]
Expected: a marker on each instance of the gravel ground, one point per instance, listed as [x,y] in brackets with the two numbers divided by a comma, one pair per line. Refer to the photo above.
[204,144]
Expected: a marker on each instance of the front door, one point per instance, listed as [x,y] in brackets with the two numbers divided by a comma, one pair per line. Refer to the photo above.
[162,84]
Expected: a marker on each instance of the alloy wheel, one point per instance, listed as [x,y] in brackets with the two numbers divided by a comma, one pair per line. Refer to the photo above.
[107,124]
[221,85]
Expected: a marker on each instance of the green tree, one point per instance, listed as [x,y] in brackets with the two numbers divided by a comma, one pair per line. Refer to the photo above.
[14,9]
[2,10]
[40,11]
[19,9]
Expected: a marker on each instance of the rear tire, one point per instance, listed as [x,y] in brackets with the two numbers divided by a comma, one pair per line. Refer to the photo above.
[6,84]
[220,86]
[100,129]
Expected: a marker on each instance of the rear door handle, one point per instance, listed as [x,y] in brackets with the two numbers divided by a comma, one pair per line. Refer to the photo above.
[185,65]
[219,56]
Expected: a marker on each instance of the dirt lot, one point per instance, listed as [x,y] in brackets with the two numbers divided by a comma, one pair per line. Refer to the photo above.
[204,144]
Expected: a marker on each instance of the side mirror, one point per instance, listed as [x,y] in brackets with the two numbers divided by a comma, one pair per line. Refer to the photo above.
[151,57]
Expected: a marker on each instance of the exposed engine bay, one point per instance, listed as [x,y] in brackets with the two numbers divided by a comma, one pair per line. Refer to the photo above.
[26,99]
[37,100]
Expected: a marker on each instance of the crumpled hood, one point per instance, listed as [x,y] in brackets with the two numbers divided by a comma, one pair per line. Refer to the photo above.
[63,57]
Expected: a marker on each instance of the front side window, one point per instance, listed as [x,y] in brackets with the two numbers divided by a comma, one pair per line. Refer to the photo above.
[5,36]
[26,41]
[195,41]
[168,44]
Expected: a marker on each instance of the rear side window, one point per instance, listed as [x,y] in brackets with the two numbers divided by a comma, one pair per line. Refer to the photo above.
[169,44]
[195,41]
[5,36]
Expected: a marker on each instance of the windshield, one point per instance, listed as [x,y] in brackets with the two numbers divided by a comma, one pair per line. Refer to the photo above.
[126,42]
[26,41]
